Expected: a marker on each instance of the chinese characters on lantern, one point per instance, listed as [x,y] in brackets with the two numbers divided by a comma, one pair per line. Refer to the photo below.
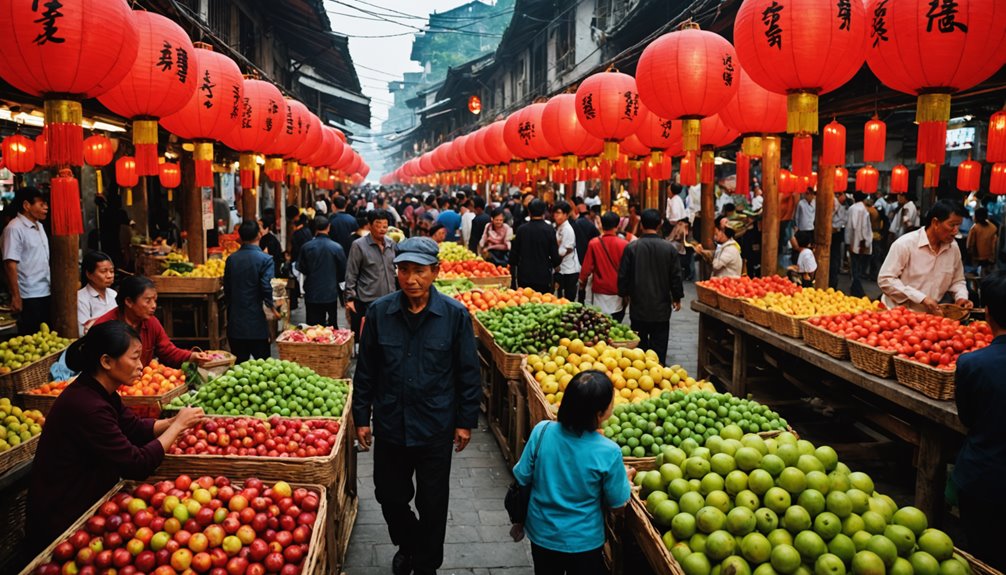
[526,132]
[728,70]
[48,21]
[879,32]
[631,104]
[944,14]
[273,109]
[773,32]
[246,114]
[844,13]
[587,105]
[207,87]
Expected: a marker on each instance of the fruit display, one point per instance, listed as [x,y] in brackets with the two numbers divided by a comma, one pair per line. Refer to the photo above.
[471,269]
[22,350]
[17,425]
[636,374]
[454,252]
[744,504]
[211,269]
[453,287]
[643,429]
[263,387]
[747,287]
[316,334]
[52,389]
[206,525]
[253,437]
[497,298]
[928,339]
[157,379]
[812,302]
[534,327]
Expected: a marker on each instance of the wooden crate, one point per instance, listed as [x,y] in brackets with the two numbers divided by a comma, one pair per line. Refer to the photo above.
[175,284]
[327,359]
[28,377]
[507,363]
[313,562]
[538,407]
[491,282]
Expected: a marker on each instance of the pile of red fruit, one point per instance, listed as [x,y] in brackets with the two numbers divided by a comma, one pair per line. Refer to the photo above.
[471,269]
[253,437]
[185,526]
[751,287]
[930,340]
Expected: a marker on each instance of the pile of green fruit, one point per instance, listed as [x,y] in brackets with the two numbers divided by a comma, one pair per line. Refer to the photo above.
[452,287]
[17,426]
[686,419]
[750,505]
[265,387]
[22,350]
[534,327]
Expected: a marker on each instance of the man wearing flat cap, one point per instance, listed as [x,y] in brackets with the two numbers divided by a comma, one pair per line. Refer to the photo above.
[418,375]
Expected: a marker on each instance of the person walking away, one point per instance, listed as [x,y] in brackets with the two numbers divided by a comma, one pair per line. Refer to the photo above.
[679,238]
[467,216]
[342,224]
[674,212]
[584,229]
[248,275]
[649,275]
[478,224]
[983,237]
[449,218]
[839,219]
[878,225]
[534,251]
[981,401]
[418,377]
[301,235]
[270,244]
[495,243]
[26,261]
[370,271]
[859,238]
[922,266]
[97,297]
[568,270]
[323,264]
[905,218]
[604,255]
[575,474]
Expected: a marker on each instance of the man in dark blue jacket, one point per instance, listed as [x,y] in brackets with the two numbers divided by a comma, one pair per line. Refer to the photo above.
[323,263]
[981,403]
[534,252]
[418,375]
[248,275]
[343,224]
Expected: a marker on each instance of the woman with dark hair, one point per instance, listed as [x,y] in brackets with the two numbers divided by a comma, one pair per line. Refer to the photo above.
[574,473]
[97,297]
[90,439]
[136,304]
[495,243]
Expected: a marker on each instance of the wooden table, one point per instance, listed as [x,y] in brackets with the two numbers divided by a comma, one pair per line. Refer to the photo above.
[193,318]
[931,424]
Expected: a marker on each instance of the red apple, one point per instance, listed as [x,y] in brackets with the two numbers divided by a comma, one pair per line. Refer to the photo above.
[157,524]
[112,540]
[290,569]
[127,530]
[136,505]
[144,491]
[164,570]
[183,482]
[181,559]
[204,516]
[163,556]
[85,556]
[231,545]
[171,546]
[306,518]
[258,550]
[134,546]
[127,570]
[121,557]
[219,557]
[145,561]
[215,535]
[237,566]
[284,538]
[103,560]
[49,569]
[246,515]
[274,562]
[64,551]
[69,568]
[302,534]
[237,503]
[95,525]
[144,534]
[182,537]
[309,503]
[80,539]
[157,499]
[287,522]
[108,508]
[231,525]
[143,517]
[87,570]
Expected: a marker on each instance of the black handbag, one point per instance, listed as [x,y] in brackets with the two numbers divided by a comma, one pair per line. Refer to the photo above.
[518,496]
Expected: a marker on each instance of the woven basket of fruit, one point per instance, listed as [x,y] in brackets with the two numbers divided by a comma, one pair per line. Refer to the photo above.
[954,311]
[325,350]
[787,325]
[706,295]
[13,517]
[929,381]
[304,548]
[823,340]
[538,408]
[731,305]
[186,284]
[42,397]
[756,315]
[491,281]
[640,522]
[19,438]
[626,343]
[220,358]
[872,360]
[25,360]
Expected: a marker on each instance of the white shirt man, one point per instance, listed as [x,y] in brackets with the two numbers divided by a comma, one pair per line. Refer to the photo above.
[675,211]
[858,231]
[904,218]
[805,210]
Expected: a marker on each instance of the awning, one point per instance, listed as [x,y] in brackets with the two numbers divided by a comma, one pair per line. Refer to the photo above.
[435,106]
[332,90]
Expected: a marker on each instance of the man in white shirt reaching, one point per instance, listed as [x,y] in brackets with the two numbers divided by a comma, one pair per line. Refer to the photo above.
[859,238]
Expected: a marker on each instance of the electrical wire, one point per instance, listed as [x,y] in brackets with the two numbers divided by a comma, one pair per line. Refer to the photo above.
[390,20]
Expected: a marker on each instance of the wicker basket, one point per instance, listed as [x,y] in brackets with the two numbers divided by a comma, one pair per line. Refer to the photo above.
[823,340]
[37,401]
[327,359]
[872,360]
[28,377]
[507,363]
[491,282]
[731,305]
[640,522]
[15,456]
[13,516]
[538,407]
[927,380]
[706,295]
[756,315]
[787,325]
[954,312]
[627,344]
[227,360]
[313,562]
[977,567]
[185,285]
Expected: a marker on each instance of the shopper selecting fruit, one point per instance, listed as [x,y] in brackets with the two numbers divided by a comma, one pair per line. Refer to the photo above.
[90,438]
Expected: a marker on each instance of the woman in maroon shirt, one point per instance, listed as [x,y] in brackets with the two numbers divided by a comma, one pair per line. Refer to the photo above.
[90,439]
[137,301]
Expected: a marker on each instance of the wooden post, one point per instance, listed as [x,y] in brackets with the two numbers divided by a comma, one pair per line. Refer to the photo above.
[192,213]
[708,226]
[606,194]
[770,206]
[65,276]
[141,207]
[249,204]
[822,224]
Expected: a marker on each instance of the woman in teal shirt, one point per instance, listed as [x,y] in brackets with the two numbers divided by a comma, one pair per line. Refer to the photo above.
[575,473]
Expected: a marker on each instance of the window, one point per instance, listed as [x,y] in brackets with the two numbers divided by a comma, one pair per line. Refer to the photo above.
[539,68]
[565,44]
[220,19]
[248,37]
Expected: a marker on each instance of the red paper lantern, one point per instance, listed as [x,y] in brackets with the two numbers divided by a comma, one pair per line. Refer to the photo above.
[212,112]
[689,171]
[802,48]
[874,140]
[995,150]
[609,108]
[997,184]
[787,182]
[754,111]
[688,74]
[472,149]
[98,151]
[659,134]
[899,179]
[65,191]
[326,154]
[743,174]
[18,153]
[66,52]
[42,149]
[426,164]
[493,145]
[833,145]
[716,133]
[161,80]
[867,179]
[170,175]
[458,152]
[932,50]
[125,172]
[562,128]
[802,163]
[261,114]
[633,147]
[841,179]
[969,176]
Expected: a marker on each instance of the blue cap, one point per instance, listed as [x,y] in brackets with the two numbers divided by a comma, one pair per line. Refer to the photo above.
[423,251]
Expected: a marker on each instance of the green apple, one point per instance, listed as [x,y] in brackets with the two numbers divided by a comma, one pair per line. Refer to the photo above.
[756,548]
[868,563]
[777,499]
[810,545]
[710,519]
[736,481]
[720,545]
[792,480]
[828,564]
[827,525]
[785,559]
[767,520]
[741,521]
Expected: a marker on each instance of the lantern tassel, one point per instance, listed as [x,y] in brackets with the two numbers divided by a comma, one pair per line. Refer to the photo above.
[64,132]
[98,182]
[66,215]
[802,155]
[751,146]
[246,168]
[708,166]
[171,195]
[202,154]
[688,174]
[931,177]
[932,113]
[129,196]
[743,174]
[801,113]
[691,134]
[145,143]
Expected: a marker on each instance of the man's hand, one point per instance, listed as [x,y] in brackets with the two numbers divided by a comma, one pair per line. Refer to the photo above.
[350,306]
[363,437]
[461,438]
[931,306]
[200,357]
[676,305]
[965,303]
[15,304]
[630,472]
